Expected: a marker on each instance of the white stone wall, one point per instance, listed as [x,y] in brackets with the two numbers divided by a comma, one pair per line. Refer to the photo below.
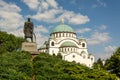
[53,51]
[78,59]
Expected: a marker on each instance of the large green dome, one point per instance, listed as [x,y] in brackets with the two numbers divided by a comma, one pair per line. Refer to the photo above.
[62,28]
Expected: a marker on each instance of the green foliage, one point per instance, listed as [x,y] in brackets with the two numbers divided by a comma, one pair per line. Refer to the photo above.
[47,67]
[9,42]
[99,64]
[59,55]
[113,64]
[15,66]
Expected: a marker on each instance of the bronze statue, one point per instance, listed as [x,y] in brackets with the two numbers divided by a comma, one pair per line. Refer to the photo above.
[28,29]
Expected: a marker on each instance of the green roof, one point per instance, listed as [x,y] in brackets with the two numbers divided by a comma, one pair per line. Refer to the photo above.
[62,28]
[68,44]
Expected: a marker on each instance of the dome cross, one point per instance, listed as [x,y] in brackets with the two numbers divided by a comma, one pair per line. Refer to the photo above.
[62,21]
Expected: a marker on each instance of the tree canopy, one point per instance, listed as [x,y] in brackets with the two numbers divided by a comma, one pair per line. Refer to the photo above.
[113,63]
[47,67]
[9,42]
[15,66]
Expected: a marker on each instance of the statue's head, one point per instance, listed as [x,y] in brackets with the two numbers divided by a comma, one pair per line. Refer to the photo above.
[28,19]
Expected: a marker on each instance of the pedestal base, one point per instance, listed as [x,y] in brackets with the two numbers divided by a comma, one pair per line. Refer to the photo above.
[29,46]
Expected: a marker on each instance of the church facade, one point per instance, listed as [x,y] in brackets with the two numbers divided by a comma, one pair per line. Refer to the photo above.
[63,40]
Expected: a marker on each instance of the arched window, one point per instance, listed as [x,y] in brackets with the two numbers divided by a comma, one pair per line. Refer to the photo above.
[62,49]
[83,44]
[83,52]
[68,49]
[84,57]
[52,43]
[91,59]
[56,35]
[59,34]
[73,56]
[63,34]
[66,34]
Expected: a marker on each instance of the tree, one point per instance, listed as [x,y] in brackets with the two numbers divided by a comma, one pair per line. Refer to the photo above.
[99,64]
[47,67]
[15,66]
[9,42]
[113,63]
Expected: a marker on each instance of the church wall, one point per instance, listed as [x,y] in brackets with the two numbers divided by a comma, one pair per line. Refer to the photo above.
[73,57]
[82,49]
[53,51]
[78,59]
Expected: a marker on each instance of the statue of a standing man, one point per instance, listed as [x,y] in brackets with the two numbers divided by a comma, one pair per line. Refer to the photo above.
[28,29]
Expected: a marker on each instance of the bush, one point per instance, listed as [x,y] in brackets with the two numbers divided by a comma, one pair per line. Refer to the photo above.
[15,66]
[47,67]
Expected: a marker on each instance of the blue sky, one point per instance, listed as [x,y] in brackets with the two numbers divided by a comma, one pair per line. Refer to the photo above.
[96,20]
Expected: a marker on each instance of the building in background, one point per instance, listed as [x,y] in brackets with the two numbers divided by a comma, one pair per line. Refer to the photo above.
[63,40]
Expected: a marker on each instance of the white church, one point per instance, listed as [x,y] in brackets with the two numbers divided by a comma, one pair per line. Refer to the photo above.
[63,40]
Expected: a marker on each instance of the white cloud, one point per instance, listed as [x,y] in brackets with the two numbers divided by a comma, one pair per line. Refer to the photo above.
[5,6]
[74,18]
[40,29]
[17,32]
[44,5]
[32,4]
[46,16]
[79,19]
[50,16]
[103,27]
[99,38]
[83,30]
[107,53]
[110,49]
[40,37]
[99,4]
[52,3]
[49,12]
[10,18]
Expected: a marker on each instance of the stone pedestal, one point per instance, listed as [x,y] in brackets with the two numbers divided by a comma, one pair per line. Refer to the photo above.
[29,46]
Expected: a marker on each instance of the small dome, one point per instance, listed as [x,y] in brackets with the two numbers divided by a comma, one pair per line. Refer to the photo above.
[68,44]
[63,28]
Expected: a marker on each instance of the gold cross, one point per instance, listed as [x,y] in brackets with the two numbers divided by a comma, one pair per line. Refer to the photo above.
[62,21]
